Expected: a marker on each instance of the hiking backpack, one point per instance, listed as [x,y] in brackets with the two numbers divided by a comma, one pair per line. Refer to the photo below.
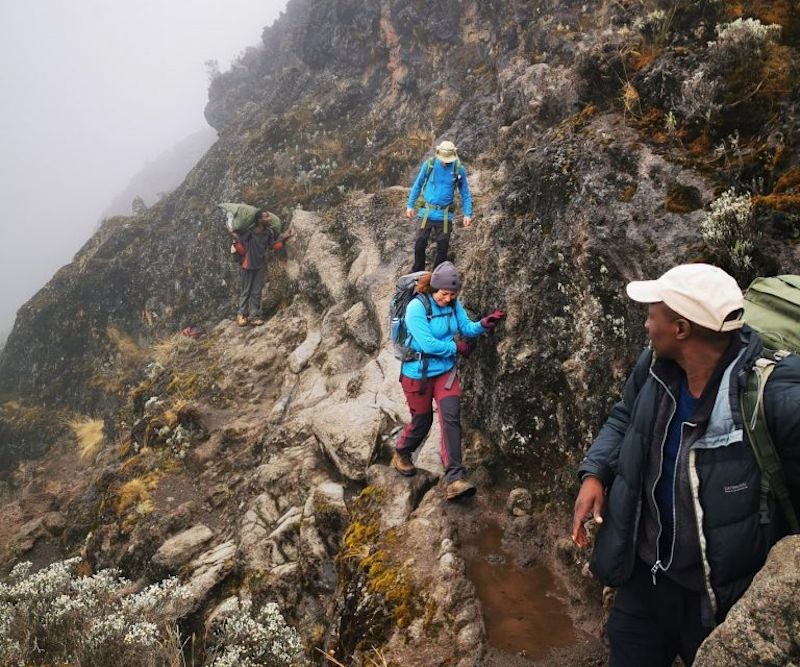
[772,308]
[405,291]
[238,217]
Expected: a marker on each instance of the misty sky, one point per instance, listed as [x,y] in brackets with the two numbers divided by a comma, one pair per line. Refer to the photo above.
[90,90]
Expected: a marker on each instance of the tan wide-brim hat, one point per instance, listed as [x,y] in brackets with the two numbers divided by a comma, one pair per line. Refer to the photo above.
[702,293]
[446,152]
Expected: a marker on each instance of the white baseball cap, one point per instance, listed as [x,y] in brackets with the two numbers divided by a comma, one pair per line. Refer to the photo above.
[702,293]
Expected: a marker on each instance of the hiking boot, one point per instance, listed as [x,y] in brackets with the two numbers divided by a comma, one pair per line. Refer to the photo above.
[461,488]
[402,464]
[242,320]
[256,322]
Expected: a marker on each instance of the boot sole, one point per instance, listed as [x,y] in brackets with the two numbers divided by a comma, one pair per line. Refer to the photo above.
[466,493]
[409,473]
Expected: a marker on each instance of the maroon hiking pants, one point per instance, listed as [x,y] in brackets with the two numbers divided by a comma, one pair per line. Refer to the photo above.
[420,397]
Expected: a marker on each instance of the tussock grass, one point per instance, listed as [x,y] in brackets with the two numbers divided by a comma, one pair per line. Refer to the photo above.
[165,350]
[89,436]
[135,495]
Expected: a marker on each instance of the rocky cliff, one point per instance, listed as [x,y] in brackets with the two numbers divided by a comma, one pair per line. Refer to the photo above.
[601,142]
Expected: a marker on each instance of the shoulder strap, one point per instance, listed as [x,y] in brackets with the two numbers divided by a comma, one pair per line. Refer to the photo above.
[457,172]
[426,301]
[755,424]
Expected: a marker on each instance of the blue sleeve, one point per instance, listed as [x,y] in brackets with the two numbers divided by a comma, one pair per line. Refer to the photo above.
[601,459]
[466,327]
[419,327]
[417,187]
[463,189]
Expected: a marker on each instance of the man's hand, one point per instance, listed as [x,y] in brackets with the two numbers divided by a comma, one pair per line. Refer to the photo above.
[467,220]
[410,213]
[591,500]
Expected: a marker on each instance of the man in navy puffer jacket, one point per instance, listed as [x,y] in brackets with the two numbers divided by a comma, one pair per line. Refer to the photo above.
[671,479]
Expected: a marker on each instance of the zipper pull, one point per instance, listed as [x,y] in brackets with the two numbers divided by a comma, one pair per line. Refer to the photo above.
[655,569]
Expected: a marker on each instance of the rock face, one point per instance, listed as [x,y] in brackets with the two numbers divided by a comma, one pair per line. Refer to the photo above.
[592,158]
[763,627]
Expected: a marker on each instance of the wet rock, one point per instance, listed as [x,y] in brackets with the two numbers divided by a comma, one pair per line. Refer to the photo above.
[762,628]
[519,502]
[180,548]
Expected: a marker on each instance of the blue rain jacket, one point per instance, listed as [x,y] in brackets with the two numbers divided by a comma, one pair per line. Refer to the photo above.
[436,337]
[440,190]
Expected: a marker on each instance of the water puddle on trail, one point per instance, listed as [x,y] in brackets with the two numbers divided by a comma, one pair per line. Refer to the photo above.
[522,607]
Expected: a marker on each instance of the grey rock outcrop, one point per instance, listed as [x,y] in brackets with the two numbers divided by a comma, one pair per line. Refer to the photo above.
[180,548]
[763,627]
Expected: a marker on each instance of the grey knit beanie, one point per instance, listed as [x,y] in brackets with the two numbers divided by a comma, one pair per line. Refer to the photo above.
[446,277]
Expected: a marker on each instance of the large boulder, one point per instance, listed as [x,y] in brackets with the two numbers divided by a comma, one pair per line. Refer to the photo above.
[763,627]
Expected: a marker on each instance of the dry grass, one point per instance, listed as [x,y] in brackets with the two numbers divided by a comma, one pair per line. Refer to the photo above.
[89,436]
[135,495]
[127,347]
[166,349]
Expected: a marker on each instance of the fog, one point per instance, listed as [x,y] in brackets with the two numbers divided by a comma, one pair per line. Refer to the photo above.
[90,91]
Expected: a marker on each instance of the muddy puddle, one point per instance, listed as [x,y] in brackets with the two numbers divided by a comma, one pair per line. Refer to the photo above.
[522,606]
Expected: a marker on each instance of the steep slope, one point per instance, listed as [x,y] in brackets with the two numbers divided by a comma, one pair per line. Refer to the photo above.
[598,140]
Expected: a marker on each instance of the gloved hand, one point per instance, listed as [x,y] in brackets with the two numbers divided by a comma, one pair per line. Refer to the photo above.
[278,245]
[490,321]
[463,348]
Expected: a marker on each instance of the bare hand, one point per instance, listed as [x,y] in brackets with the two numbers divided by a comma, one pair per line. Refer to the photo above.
[409,213]
[467,220]
[590,501]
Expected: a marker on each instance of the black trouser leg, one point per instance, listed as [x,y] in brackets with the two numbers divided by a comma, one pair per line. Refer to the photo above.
[652,624]
[442,246]
[420,245]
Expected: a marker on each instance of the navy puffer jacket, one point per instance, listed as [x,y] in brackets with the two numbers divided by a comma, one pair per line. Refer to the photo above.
[734,542]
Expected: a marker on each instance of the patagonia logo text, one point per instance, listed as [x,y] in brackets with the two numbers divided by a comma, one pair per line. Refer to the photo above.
[735,488]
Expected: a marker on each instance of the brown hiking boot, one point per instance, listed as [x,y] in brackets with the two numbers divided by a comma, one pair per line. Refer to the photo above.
[461,488]
[402,464]
[242,320]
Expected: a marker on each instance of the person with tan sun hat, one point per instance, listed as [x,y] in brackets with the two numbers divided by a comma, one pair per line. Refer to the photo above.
[437,182]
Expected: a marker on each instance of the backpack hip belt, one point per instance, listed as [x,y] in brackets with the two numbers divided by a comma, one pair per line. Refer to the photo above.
[445,216]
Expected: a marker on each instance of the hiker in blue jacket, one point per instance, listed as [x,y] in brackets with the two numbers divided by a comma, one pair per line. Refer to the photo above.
[437,181]
[672,480]
[432,376]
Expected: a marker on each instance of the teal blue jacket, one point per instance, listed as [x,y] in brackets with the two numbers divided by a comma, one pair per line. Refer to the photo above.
[436,337]
[440,190]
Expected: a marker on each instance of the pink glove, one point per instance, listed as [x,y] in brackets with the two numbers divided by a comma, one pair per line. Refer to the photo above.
[490,321]
[463,348]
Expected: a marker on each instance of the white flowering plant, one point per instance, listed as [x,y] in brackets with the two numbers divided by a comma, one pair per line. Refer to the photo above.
[728,230]
[57,616]
[263,640]
[732,66]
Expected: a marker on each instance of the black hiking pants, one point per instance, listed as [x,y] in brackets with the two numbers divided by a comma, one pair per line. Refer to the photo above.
[650,625]
[442,239]
[252,285]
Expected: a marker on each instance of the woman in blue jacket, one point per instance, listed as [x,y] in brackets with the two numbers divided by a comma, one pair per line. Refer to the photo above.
[432,375]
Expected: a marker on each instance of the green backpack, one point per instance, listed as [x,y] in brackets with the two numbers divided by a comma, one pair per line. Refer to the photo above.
[772,308]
